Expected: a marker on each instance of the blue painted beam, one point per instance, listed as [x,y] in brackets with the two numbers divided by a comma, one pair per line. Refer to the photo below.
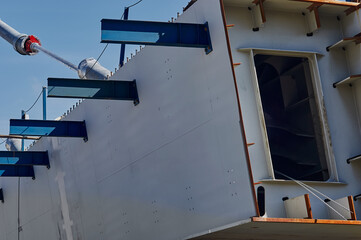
[26,158]
[156,33]
[16,171]
[122,48]
[93,89]
[48,128]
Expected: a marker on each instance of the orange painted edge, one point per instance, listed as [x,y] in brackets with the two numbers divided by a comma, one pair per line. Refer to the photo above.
[308,206]
[351,10]
[350,38]
[355,76]
[317,17]
[230,25]
[236,64]
[352,207]
[263,14]
[338,222]
[283,220]
[336,3]
[355,39]
[260,4]
[240,111]
[314,5]
[250,144]
[307,221]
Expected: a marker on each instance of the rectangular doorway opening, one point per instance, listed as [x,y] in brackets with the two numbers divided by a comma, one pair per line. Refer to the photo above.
[291,114]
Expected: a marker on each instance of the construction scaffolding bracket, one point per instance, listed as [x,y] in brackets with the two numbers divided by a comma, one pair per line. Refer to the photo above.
[313,18]
[258,14]
[16,171]
[24,158]
[93,89]
[156,33]
[48,128]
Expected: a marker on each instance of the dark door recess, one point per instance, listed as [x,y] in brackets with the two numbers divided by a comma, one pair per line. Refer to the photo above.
[291,115]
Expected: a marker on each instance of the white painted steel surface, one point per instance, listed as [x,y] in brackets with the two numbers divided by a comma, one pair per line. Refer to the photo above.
[341,208]
[175,166]
[296,207]
[172,166]
[285,30]
[90,68]
[13,37]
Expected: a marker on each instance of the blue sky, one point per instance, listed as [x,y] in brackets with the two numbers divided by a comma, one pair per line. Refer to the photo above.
[70,29]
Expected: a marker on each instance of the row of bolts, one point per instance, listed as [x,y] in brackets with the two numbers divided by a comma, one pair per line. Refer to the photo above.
[111,74]
[140,48]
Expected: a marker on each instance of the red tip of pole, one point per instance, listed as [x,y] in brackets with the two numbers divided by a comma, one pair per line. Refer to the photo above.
[31,39]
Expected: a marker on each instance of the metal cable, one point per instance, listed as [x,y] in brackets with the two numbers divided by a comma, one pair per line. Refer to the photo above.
[56,57]
[96,60]
[134,4]
[3,142]
[108,43]
[315,190]
[34,102]
[327,197]
[19,208]
[309,189]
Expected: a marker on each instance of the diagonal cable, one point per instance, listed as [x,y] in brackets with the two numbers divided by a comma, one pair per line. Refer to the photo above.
[34,102]
[310,189]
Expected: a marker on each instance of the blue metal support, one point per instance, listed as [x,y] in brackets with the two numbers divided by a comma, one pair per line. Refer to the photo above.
[44,103]
[156,33]
[27,158]
[48,128]
[93,89]
[16,171]
[122,47]
[23,116]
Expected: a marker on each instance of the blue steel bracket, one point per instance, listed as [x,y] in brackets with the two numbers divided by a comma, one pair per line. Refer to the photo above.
[16,171]
[48,128]
[122,48]
[156,33]
[93,89]
[24,158]
[1,195]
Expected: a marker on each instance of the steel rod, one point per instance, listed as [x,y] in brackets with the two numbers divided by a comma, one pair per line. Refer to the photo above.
[37,47]
[19,137]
